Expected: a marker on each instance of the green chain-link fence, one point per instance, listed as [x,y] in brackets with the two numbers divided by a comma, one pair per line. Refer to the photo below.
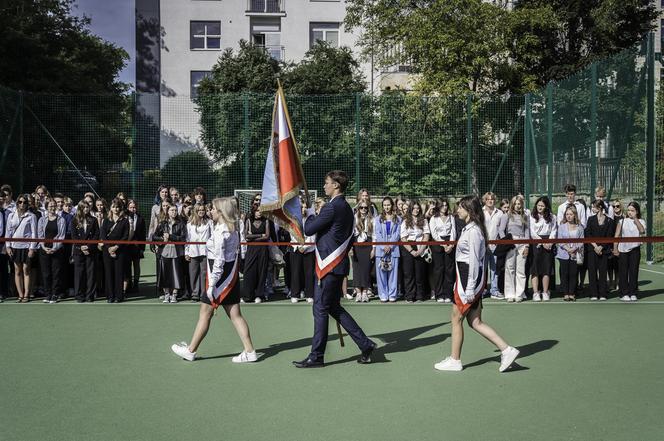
[594,128]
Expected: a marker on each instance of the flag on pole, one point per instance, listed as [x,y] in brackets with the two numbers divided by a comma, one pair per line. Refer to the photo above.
[283,178]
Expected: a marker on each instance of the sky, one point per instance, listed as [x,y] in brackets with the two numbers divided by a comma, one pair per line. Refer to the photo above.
[113,20]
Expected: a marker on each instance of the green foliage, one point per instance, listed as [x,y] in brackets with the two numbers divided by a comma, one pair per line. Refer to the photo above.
[190,169]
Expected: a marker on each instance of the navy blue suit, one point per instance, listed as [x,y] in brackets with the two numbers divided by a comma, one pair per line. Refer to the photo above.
[332,227]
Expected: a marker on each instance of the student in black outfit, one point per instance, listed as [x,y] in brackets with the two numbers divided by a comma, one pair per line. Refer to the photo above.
[51,255]
[302,266]
[597,254]
[629,253]
[100,213]
[84,227]
[114,227]
[138,232]
[171,261]
[618,216]
[257,229]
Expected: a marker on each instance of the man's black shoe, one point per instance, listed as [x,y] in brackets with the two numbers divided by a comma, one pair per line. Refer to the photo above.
[365,358]
[309,363]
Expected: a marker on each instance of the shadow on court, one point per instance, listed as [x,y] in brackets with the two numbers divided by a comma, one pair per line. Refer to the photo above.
[525,351]
[394,342]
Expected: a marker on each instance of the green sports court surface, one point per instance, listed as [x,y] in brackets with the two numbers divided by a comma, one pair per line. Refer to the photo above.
[587,371]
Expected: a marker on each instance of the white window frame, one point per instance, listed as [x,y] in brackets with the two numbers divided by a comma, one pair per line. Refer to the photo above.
[325,30]
[205,35]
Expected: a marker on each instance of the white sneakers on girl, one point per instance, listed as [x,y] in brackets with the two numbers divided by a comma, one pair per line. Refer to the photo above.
[182,350]
[507,357]
[449,364]
[245,357]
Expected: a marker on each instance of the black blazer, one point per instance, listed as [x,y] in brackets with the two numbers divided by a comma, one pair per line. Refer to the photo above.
[140,232]
[179,234]
[92,233]
[594,229]
[332,227]
[119,232]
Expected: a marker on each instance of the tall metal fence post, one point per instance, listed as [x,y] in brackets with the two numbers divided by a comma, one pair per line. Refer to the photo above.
[650,146]
[133,145]
[357,142]
[526,154]
[245,138]
[20,143]
[593,131]
[549,141]
[469,144]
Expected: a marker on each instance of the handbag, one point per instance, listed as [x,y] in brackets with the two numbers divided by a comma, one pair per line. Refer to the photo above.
[426,255]
[502,249]
[386,264]
[276,255]
[579,257]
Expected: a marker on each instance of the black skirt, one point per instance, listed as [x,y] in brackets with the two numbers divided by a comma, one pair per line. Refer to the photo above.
[171,273]
[362,267]
[20,255]
[542,262]
[233,297]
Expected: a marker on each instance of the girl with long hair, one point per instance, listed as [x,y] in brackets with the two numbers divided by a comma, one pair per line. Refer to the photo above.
[629,253]
[362,255]
[567,253]
[515,226]
[84,227]
[199,229]
[171,267]
[441,226]
[51,254]
[543,225]
[135,253]
[599,225]
[387,228]
[224,246]
[114,228]
[470,279]
[256,260]
[22,223]
[414,228]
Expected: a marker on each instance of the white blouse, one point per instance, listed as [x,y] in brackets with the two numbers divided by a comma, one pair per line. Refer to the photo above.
[629,229]
[197,233]
[225,248]
[414,233]
[363,235]
[304,249]
[470,249]
[541,229]
[23,227]
[441,228]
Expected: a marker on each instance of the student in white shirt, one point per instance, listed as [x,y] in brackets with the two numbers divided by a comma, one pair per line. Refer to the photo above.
[414,228]
[492,218]
[470,251]
[570,194]
[542,226]
[21,223]
[629,253]
[441,226]
[199,229]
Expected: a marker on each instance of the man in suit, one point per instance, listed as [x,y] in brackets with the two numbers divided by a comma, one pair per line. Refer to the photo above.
[333,228]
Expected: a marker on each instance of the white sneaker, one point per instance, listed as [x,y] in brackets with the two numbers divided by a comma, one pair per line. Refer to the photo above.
[365,297]
[507,358]
[602,299]
[448,300]
[537,297]
[294,299]
[546,296]
[593,299]
[358,297]
[519,299]
[449,364]
[167,299]
[258,300]
[182,350]
[349,296]
[497,296]
[245,357]
[510,299]
[161,297]
[433,297]
[174,298]
[440,300]
[633,298]
[625,299]
[310,300]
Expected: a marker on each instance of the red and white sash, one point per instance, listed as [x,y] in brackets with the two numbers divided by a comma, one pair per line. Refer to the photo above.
[324,266]
[224,286]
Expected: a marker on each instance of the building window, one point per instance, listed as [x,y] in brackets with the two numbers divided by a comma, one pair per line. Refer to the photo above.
[196,77]
[205,35]
[266,33]
[327,32]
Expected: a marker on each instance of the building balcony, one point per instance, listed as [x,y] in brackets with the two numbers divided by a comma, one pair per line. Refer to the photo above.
[276,52]
[266,8]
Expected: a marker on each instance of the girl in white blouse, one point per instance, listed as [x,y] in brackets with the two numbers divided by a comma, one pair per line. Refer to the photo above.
[470,281]
[543,225]
[199,229]
[515,226]
[414,228]
[441,226]
[225,251]
[629,253]
[21,223]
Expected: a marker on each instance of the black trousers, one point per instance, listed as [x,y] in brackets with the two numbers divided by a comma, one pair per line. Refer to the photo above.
[197,276]
[4,275]
[568,275]
[327,302]
[628,268]
[443,272]
[85,280]
[414,276]
[597,272]
[500,270]
[114,276]
[302,274]
[52,272]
